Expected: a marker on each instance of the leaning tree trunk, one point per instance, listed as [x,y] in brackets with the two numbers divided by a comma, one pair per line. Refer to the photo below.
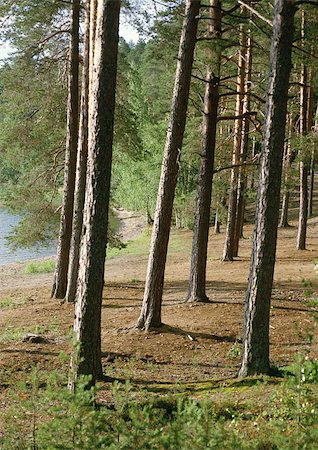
[64,242]
[287,168]
[81,166]
[200,239]
[303,166]
[87,322]
[150,316]
[228,252]
[255,357]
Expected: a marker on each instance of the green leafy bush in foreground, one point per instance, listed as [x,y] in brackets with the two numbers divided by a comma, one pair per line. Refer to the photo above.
[54,418]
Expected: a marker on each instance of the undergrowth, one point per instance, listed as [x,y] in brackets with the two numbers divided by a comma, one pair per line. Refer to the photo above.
[44,414]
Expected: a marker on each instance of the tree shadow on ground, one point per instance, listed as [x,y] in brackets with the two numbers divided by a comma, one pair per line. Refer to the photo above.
[192,335]
[30,352]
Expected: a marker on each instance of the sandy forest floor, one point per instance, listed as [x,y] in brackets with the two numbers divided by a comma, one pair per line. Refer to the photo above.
[199,342]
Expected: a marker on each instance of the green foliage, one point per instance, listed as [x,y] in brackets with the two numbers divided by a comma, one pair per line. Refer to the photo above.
[45,414]
[33,104]
[45,266]
[235,351]
[32,130]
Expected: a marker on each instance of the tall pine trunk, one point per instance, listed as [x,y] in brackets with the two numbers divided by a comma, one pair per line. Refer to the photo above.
[311,167]
[87,322]
[150,316]
[255,356]
[311,183]
[303,166]
[200,239]
[64,242]
[229,247]
[80,182]
[287,168]
[238,232]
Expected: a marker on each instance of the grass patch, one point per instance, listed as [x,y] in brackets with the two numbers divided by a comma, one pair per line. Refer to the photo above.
[11,302]
[15,334]
[46,266]
[140,245]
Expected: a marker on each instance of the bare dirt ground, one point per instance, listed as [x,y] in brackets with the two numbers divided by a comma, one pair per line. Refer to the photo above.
[199,342]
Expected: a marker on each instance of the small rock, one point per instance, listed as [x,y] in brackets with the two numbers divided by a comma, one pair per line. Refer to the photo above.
[35,338]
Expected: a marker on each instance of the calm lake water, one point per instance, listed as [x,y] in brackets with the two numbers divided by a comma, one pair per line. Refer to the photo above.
[7,221]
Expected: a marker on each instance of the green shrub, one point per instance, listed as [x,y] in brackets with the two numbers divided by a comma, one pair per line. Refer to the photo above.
[45,266]
[46,415]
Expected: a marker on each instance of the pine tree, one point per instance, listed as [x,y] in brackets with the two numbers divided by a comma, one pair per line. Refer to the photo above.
[87,322]
[255,357]
[150,316]
[197,279]
[64,242]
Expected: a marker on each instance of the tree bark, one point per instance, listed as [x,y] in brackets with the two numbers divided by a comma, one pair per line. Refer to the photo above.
[287,167]
[150,316]
[216,222]
[311,184]
[81,166]
[62,258]
[197,280]
[87,322]
[238,232]
[311,167]
[255,355]
[229,248]
[303,166]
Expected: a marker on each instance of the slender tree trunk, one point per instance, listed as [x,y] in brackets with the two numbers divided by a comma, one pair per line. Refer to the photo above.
[87,322]
[229,250]
[197,279]
[303,166]
[150,316]
[62,258]
[311,183]
[311,167]
[255,357]
[303,206]
[238,232]
[287,167]
[216,222]
[80,182]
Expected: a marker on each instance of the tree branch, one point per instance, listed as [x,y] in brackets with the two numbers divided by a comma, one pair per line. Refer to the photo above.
[306,2]
[240,116]
[256,13]
[252,162]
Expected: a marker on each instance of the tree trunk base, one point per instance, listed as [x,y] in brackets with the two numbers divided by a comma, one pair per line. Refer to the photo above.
[57,292]
[148,326]
[284,225]
[193,298]
[227,258]
[271,371]
[249,371]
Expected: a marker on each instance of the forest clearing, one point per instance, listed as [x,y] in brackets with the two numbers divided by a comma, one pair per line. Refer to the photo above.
[196,354]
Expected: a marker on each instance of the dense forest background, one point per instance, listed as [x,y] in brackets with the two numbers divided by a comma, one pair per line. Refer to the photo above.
[33,110]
